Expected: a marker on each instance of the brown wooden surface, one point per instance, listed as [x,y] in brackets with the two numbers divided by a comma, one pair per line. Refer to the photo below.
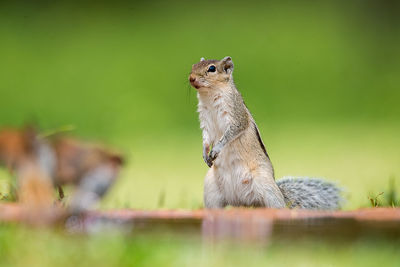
[14,212]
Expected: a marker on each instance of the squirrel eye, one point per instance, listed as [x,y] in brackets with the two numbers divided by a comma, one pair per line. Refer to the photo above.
[212,68]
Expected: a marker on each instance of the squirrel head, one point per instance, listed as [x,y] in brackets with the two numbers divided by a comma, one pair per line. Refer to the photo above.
[209,74]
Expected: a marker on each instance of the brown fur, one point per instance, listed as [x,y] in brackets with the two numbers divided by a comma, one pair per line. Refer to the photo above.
[75,158]
[20,151]
[15,146]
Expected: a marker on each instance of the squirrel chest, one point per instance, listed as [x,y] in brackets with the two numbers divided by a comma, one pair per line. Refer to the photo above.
[215,117]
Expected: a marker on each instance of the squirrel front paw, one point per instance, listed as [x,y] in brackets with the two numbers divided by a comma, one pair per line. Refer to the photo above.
[210,156]
[206,157]
[214,153]
[208,161]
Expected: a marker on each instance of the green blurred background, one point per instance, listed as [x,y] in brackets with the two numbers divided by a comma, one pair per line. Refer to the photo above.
[320,77]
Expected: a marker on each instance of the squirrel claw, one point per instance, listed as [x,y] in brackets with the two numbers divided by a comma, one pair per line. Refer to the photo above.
[206,157]
[209,161]
[210,156]
[213,155]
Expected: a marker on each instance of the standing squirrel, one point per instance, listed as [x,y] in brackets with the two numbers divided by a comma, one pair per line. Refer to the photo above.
[241,173]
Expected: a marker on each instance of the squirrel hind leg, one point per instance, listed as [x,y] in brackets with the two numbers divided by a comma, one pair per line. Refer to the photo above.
[213,198]
[273,199]
[268,194]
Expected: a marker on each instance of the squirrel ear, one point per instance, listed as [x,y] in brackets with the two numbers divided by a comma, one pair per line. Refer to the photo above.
[227,64]
[202,59]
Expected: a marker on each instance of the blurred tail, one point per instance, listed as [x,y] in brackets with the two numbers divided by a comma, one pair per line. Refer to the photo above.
[310,193]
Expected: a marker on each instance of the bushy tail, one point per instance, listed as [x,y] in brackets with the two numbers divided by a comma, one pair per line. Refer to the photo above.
[310,193]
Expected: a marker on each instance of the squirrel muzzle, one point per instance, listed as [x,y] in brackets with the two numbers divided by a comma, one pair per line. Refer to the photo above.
[193,81]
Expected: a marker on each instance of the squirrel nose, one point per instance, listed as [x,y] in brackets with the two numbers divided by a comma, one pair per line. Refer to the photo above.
[192,78]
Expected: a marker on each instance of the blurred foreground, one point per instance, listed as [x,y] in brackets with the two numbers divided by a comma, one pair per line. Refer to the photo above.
[40,164]
[321,79]
[210,238]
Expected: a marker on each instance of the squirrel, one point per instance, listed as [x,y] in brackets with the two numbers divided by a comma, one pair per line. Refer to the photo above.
[241,172]
[41,164]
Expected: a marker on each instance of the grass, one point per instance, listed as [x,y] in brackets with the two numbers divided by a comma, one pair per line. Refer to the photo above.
[388,198]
